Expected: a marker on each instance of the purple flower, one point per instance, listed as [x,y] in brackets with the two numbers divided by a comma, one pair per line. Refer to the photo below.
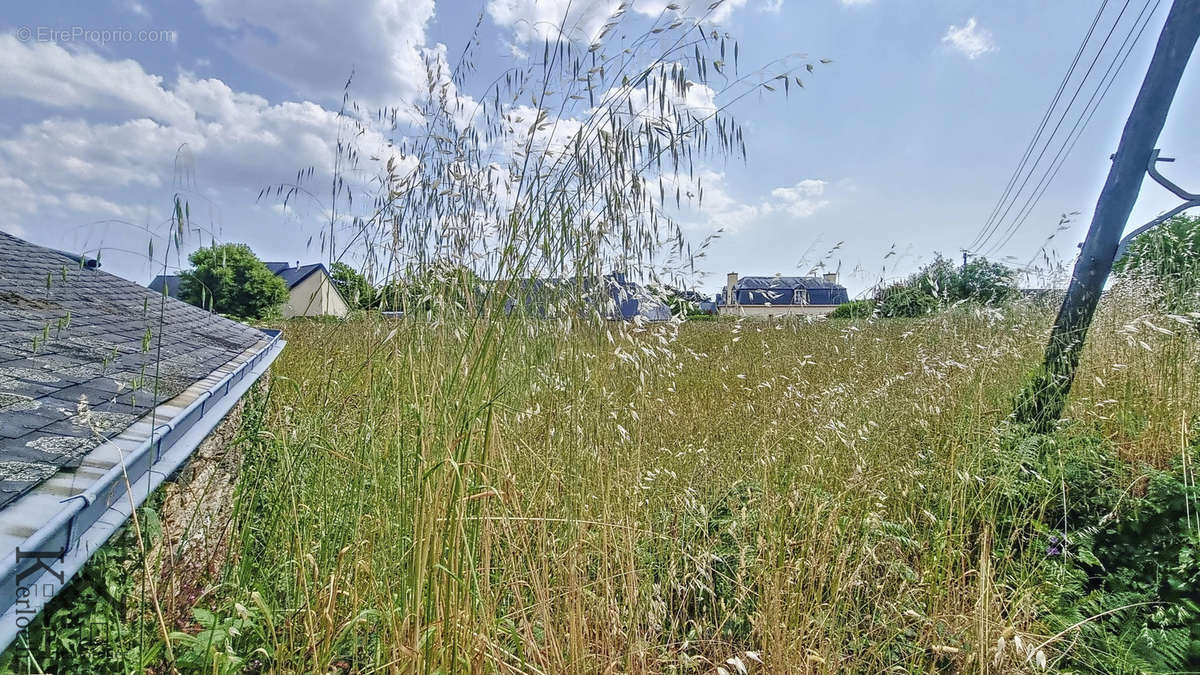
[1056,546]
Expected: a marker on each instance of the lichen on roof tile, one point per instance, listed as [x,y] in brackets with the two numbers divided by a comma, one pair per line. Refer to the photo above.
[17,403]
[26,471]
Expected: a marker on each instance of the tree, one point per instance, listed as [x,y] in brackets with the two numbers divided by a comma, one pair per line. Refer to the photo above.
[1170,255]
[354,287]
[984,281]
[229,279]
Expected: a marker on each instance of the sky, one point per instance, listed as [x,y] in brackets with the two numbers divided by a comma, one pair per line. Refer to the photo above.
[900,147]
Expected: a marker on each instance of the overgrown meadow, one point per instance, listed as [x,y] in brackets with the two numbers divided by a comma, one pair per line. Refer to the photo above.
[772,496]
[496,481]
[765,496]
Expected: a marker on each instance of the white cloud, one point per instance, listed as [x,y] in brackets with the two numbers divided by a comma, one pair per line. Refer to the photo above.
[96,207]
[154,138]
[49,74]
[698,100]
[772,6]
[697,9]
[856,3]
[718,209]
[969,39]
[551,135]
[540,20]
[316,49]
[14,229]
[240,136]
[800,200]
[18,196]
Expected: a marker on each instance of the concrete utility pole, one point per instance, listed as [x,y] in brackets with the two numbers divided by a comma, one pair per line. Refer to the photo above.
[1042,402]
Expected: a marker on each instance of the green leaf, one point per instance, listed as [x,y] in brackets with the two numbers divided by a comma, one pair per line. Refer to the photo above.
[204,617]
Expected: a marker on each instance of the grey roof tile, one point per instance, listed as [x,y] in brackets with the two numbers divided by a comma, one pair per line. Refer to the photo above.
[70,333]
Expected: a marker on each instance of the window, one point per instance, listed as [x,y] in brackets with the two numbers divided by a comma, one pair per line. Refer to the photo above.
[800,296]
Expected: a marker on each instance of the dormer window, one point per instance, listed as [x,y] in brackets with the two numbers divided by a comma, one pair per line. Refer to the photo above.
[800,296]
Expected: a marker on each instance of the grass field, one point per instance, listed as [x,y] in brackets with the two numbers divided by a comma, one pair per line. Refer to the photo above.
[777,496]
[835,496]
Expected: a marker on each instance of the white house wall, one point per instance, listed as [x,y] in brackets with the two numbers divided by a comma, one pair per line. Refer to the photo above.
[315,296]
[765,311]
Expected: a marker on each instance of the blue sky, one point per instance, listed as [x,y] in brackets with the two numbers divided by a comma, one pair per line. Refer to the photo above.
[903,143]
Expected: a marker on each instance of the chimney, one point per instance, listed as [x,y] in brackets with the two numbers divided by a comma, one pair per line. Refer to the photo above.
[831,277]
[731,280]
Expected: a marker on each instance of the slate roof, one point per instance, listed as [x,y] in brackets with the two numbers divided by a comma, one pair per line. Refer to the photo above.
[294,275]
[78,352]
[171,281]
[748,283]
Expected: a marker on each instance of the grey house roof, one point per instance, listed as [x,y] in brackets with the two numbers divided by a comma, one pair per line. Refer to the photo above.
[294,275]
[84,354]
[170,281]
[781,283]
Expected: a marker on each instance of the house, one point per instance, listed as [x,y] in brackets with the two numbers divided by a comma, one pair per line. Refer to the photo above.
[311,291]
[633,300]
[697,301]
[106,389]
[621,298]
[782,296]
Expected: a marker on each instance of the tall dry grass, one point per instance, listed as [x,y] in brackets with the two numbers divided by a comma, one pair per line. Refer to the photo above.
[783,496]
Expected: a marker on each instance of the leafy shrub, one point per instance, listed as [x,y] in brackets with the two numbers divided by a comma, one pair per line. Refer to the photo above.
[89,626]
[1120,570]
[938,278]
[941,282]
[1134,580]
[356,290]
[1170,255]
[901,300]
[855,309]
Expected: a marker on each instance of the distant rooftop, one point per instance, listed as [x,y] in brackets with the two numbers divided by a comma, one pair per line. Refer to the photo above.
[781,282]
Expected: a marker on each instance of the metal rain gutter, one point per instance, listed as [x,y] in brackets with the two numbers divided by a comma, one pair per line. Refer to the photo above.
[55,552]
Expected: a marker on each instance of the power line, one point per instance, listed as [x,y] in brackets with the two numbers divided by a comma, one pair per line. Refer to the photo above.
[1041,126]
[1089,110]
[1058,125]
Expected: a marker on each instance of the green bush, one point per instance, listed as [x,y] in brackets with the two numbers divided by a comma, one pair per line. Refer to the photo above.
[1116,556]
[941,282]
[901,300]
[855,309]
[1134,580]
[984,281]
[1170,255]
[355,289]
